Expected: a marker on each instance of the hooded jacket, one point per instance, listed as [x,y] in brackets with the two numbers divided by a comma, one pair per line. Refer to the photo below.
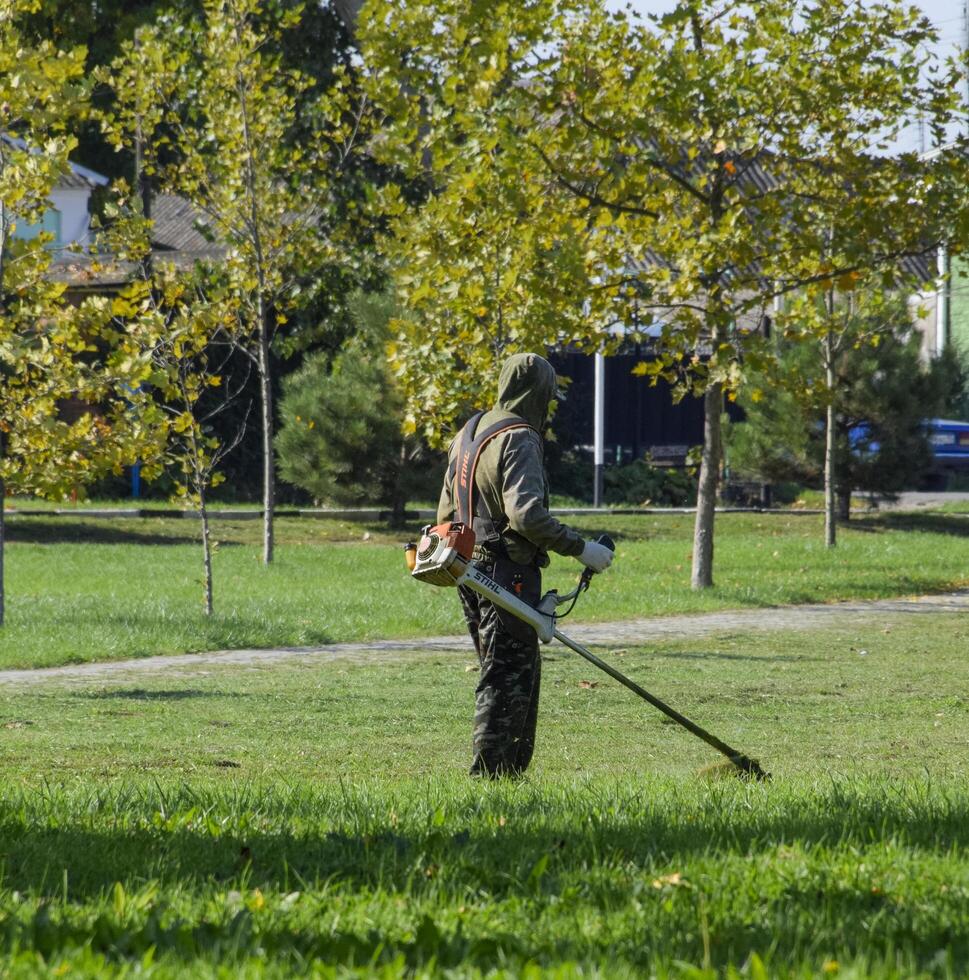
[510,478]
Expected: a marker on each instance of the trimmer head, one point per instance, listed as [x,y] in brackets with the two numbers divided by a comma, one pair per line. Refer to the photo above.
[750,768]
[739,766]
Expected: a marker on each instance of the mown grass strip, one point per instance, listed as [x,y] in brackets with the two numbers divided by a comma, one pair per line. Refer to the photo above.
[316,819]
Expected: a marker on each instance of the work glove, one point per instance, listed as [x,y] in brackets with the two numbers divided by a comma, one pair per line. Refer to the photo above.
[596,556]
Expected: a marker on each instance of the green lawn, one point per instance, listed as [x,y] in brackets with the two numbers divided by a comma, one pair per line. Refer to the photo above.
[18,504]
[96,589]
[314,818]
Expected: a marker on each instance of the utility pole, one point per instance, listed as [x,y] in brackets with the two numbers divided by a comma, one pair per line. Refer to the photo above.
[599,428]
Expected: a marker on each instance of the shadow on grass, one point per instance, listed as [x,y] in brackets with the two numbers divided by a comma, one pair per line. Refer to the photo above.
[140,694]
[474,853]
[539,854]
[816,608]
[53,531]
[951,525]
[192,633]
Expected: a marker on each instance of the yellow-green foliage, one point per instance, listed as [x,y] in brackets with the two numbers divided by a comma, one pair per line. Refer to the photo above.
[589,168]
[51,349]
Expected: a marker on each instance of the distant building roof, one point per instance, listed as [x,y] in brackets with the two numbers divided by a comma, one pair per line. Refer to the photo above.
[77,178]
[179,227]
[82,178]
[178,237]
[179,233]
[757,175]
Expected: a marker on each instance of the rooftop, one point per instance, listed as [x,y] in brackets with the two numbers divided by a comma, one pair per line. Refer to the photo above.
[77,177]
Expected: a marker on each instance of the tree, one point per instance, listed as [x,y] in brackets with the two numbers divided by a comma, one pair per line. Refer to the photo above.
[315,46]
[846,412]
[486,263]
[341,437]
[51,351]
[693,167]
[841,327]
[215,88]
[98,30]
[167,324]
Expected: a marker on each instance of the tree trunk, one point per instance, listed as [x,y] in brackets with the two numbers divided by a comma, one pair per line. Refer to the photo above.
[262,326]
[348,11]
[142,185]
[268,461]
[200,480]
[830,515]
[706,499]
[3,488]
[830,529]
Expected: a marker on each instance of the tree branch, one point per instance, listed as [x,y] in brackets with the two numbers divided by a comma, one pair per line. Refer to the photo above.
[592,197]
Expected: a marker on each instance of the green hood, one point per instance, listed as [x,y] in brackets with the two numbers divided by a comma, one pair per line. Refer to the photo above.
[525,387]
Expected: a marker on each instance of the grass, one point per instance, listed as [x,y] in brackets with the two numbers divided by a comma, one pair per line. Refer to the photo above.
[80,590]
[17,504]
[953,507]
[314,818]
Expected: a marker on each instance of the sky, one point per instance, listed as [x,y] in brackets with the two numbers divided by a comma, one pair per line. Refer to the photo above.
[947,15]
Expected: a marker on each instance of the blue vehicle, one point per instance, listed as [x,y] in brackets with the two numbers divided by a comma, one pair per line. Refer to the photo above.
[948,440]
[950,444]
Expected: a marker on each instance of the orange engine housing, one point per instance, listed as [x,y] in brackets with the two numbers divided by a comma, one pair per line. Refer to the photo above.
[453,534]
[443,553]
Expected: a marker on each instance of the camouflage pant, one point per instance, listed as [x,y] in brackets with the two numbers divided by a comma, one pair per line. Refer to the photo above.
[506,699]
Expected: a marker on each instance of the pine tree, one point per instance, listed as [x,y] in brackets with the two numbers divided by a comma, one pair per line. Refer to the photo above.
[883,393]
[341,437]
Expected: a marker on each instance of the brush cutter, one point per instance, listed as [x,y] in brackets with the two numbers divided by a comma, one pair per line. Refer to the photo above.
[444,557]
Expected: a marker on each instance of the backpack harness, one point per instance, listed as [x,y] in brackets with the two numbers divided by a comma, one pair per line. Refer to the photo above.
[461,474]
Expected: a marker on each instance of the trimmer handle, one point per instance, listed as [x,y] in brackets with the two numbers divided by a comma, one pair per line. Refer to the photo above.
[587,573]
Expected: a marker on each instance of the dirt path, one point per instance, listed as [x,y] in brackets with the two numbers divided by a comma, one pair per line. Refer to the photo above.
[594,634]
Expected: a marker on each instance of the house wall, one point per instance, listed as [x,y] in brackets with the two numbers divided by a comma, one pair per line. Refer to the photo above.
[640,418]
[67,219]
[75,220]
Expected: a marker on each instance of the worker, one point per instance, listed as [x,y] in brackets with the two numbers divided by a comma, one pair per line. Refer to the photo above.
[514,533]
